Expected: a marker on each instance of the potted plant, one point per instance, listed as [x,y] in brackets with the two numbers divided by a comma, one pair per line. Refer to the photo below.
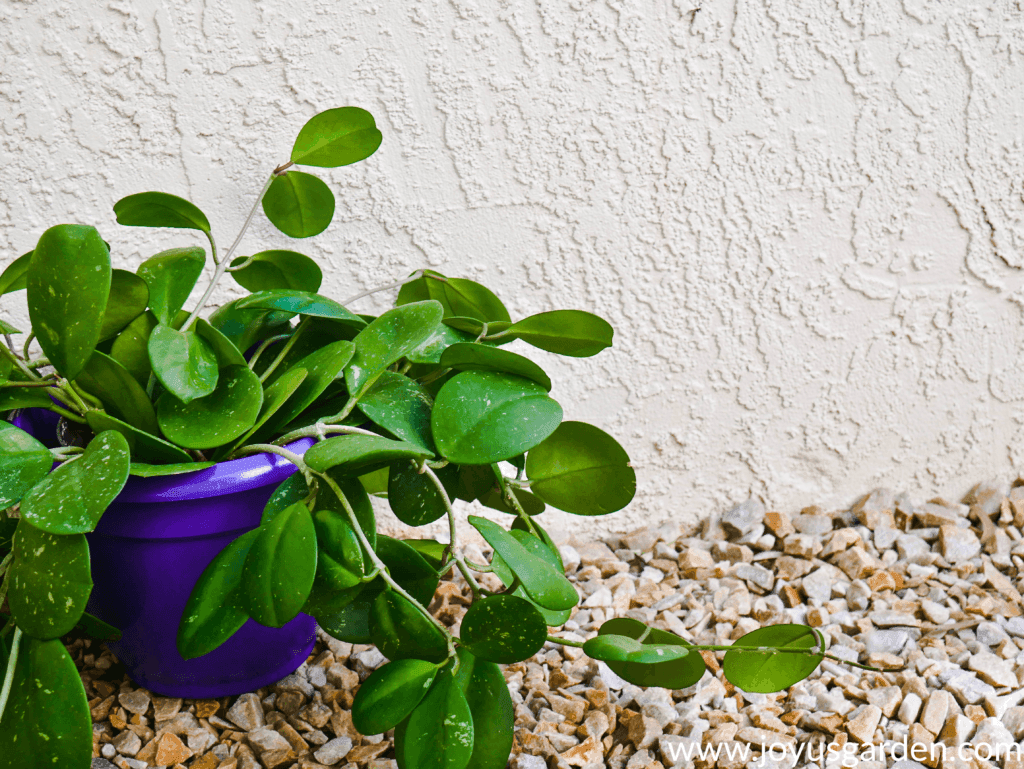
[198,489]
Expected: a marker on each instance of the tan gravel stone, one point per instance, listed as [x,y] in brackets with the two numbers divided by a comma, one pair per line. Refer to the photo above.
[171,750]
[933,717]
[862,728]
[587,752]
[856,563]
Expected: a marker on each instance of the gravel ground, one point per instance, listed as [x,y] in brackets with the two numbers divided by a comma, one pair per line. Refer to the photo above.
[929,592]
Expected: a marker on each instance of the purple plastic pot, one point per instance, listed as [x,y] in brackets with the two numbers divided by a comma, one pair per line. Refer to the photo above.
[147,553]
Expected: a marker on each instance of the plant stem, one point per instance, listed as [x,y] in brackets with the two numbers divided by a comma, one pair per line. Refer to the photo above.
[223,265]
[303,325]
[511,498]
[319,429]
[415,276]
[28,342]
[565,641]
[76,399]
[9,678]
[213,248]
[5,563]
[10,355]
[66,414]
[291,456]
[453,533]
[259,350]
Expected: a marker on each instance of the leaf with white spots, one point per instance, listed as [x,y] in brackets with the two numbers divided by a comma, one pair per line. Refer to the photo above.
[24,462]
[71,499]
[439,733]
[183,361]
[401,631]
[359,454]
[503,628]
[50,581]
[143,446]
[46,722]
[390,694]
[391,336]
[215,419]
[491,707]
[280,567]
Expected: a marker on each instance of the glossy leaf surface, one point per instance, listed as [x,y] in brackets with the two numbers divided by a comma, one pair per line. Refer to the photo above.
[472,356]
[388,338]
[280,566]
[217,418]
[566,332]
[24,462]
[390,694]
[171,275]
[673,674]
[120,393]
[336,137]
[278,269]
[183,362]
[503,628]
[755,671]
[160,209]
[299,204]
[359,454]
[400,406]
[128,299]
[401,631]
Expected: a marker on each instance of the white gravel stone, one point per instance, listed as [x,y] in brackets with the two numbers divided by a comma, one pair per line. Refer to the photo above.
[332,752]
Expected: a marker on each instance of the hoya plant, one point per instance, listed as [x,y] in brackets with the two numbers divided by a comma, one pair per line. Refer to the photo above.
[421,405]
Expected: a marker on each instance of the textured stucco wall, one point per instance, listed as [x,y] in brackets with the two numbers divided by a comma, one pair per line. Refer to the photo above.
[805,219]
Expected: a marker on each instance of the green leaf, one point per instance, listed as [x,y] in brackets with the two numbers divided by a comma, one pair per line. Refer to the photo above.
[223,348]
[390,694]
[430,351]
[216,607]
[430,549]
[68,285]
[98,629]
[481,417]
[183,361]
[294,489]
[71,499]
[244,328]
[7,328]
[160,209]
[24,398]
[400,406]
[142,445]
[494,499]
[474,328]
[388,338]
[439,733]
[339,564]
[756,671]
[401,631]
[271,270]
[15,276]
[351,623]
[143,470]
[547,553]
[414,498]
[503,628]
[582,470]
[408,568]
[130,348]
[375,482]
[359,454]
[336,137]
[280,567]
[299,303]
[566,332]
[322,367]
[471,356]
[542,583]
[128,299]
[465,298]
[528,541]
[274,397]
[490,705]
[119,392]
[47,721]
[616,648]
[475,482]
[24,462]
[171,275]
[299,204]
[213,420]
[50,581]
[673,674]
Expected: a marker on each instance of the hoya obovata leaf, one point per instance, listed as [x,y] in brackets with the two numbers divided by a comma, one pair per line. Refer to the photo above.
[336,137]
[676,673]
[24,462]
[756,671]
[503,628]
[299,204]
[390,694]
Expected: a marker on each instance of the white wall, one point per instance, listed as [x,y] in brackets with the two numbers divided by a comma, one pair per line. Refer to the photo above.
[805,219]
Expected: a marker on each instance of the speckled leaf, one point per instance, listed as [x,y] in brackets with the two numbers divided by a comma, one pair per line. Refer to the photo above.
[548,553]
[439,733]
[129,297]
[217,418]
[409,568]
[481,417]
[527,539]
[50,581]
[299,303]
[491,706]
[674,674]
[391,336]
[429,352]
[280,567]
[581,469]
[216,607]
[543,584]
[467,299]
[336,137]
[299,204]
[68,285]
[401,631]
[294,489]
[400,406]
[24,398]
[15,275]
[143,470]
[493,499]
[472,356]
[97,628]
[244,328]
[274,397]
[339,563]
[359,454]
[160,209]
[351,622]
[503,628]
[171,275]
[46,722]
[565,332]
[24,462]
[119,392]
[766,672]
[71,499]
[183,362]
[130,348]
[142,445]
[269,270]
[223,349]
[321,367]
[390,694]
[414,498]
